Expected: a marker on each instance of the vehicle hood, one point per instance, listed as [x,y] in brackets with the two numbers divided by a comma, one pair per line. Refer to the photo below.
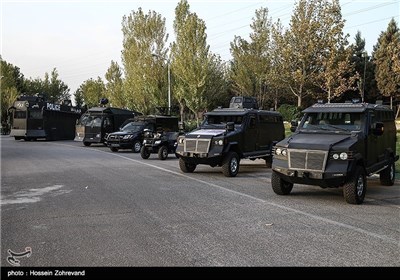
[205,133]
[123,133]
[317,141]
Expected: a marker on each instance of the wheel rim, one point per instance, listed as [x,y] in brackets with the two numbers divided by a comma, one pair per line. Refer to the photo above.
[391,172]
[137,147]
[360,186]
[234,165]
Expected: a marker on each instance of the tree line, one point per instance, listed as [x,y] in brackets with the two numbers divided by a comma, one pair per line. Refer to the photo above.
[308,60]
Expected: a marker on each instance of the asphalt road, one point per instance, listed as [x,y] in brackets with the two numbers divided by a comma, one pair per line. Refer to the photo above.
[86,206]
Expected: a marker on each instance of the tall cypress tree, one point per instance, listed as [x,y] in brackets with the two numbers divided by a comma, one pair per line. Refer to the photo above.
[190,60]
[385,56]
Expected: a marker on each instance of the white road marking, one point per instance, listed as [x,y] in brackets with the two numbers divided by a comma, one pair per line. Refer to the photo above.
[313,216]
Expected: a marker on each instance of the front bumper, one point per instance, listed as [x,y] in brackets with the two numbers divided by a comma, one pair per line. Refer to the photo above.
[120,145]
[335,174]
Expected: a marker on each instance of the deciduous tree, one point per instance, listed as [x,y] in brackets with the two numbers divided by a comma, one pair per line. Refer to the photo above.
[190,60]
[143,56]
[386,57]
[115,86]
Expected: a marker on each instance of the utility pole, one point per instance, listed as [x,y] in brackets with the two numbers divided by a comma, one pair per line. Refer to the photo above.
[365,70]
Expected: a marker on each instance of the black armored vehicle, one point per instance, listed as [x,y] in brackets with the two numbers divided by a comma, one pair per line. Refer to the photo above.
[98,122]
[130,135]
[229,134]
[338,145]
[161,140]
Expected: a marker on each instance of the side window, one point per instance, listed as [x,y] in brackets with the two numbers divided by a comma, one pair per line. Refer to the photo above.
[253,121]
[106,122]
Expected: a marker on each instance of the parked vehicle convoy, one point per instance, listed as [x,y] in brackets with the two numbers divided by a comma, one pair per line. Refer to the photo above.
[163,139]
[338,145]
[32,117]
[228,135]
[98,122]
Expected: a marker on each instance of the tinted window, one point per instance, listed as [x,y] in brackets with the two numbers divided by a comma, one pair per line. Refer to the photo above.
[20,115]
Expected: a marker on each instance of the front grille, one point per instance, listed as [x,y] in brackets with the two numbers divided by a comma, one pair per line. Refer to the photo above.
[307,160]
[197,145]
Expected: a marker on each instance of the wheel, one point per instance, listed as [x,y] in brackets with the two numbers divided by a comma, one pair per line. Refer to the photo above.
[17,137]
[354,189]
[387,175]
[113,149]
[268,161]
[163,153]
[144,153]
[186,167]
[279,186]
[87,144]
[230,164]
[136,146]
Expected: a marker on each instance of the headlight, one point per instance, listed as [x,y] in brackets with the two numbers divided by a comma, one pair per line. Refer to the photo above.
[98,135]
[343,156]
[281,152]
[129,136]
[219,142]
[181,140]
[158,142]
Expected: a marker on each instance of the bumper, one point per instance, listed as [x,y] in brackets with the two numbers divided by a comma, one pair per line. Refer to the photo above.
[322,179]
[92,140]
[201,158]
[120,145]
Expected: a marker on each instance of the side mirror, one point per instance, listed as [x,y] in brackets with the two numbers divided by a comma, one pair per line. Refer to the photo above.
[293,126]
[230,126]
[378,128]
[181,126]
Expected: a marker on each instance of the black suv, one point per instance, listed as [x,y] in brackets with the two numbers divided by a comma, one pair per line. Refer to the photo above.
[163,139]
[338,145]
[228,135]
[130,135]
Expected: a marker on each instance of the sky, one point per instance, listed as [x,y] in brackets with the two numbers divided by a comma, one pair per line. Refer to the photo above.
[81,37]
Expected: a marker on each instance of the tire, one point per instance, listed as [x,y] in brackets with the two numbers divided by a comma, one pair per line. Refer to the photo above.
[186,167]
[354,189]
[163,153]
[387,175]
[137,146]
[268,161]
[113,149]
[279,186]
[230,164]
[144,153]
[87,144]
[17,138]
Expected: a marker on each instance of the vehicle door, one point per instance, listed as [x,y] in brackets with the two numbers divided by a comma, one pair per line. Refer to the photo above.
[251,133]
[372,149]
[108,125]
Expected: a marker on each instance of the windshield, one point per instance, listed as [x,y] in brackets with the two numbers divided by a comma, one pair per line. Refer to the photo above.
[219,121]
[132,127]
[332,121]
[93,121]
[84,119]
